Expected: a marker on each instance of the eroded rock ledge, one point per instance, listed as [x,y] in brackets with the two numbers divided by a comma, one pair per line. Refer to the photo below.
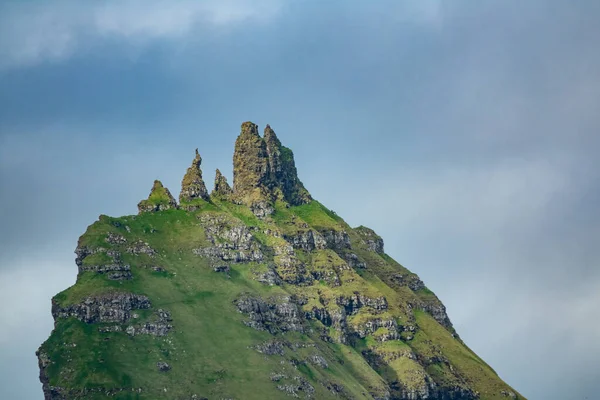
[275,315]
[110,307]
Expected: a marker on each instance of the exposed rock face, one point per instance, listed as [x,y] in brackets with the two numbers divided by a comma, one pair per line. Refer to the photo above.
[353,261]
[283,173]
[264,170]
[412,281]
[160,199]
[250,166]
[341,313]
[232,242]
[272,347]
[299,385]
[192,185]
[308,240]
[318,360]
[115,272]
[336,240]
[102,269]
[278,314]
[141,247]
[373,241]
[112,307]
[289,267]
[354,303]
[222,188]
[269,277]
[159,326]
[371,326]
[114,238]
[437,310]
[163,366]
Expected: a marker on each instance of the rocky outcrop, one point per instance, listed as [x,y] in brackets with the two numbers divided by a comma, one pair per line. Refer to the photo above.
[272,347]
[334,317]
[373,241]
[160,199]
[298,386]
[160,325]
[373,324]
[318,360]
[283,173]
[43,362]
[352,304]
[275,315]
[222,188]
[437,310]
[81,252]
[114,272]
[353,261]
[308,240]
[336,240]
[115,238]
[192,185]
[231,241]
[263,171]
[163,366]
[109,307]
[140,247]
[412,281]
[289,267]
[250,167]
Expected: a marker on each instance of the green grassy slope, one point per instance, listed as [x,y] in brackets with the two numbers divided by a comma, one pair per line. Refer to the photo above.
[396,349]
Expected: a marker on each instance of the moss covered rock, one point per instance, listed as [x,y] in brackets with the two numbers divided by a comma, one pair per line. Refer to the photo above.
[160,199]
[192,185]
[222,188]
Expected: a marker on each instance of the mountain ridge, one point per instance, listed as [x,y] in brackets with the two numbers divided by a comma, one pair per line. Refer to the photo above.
[260,270]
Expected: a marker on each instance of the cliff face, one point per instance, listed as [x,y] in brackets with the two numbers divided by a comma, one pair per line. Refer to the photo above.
[254,292]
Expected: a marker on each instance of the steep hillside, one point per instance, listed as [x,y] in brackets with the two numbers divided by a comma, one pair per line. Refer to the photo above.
[252,292]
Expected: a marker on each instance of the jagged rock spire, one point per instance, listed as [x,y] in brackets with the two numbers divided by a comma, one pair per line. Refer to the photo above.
[250,166]
[264,170]
[222,188]
[160,199]
[192,185]
[283,173]
[273,151]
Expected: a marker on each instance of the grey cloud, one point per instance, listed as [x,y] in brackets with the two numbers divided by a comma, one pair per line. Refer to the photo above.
[36,32]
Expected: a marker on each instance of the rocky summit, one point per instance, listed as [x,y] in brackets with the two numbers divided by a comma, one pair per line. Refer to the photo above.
[252,292]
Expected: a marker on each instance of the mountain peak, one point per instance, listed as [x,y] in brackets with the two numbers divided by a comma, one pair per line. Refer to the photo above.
[317,308]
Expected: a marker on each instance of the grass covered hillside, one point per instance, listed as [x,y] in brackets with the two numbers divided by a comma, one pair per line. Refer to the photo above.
[254,292]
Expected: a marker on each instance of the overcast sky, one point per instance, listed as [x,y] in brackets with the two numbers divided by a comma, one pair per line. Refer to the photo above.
[465,133]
